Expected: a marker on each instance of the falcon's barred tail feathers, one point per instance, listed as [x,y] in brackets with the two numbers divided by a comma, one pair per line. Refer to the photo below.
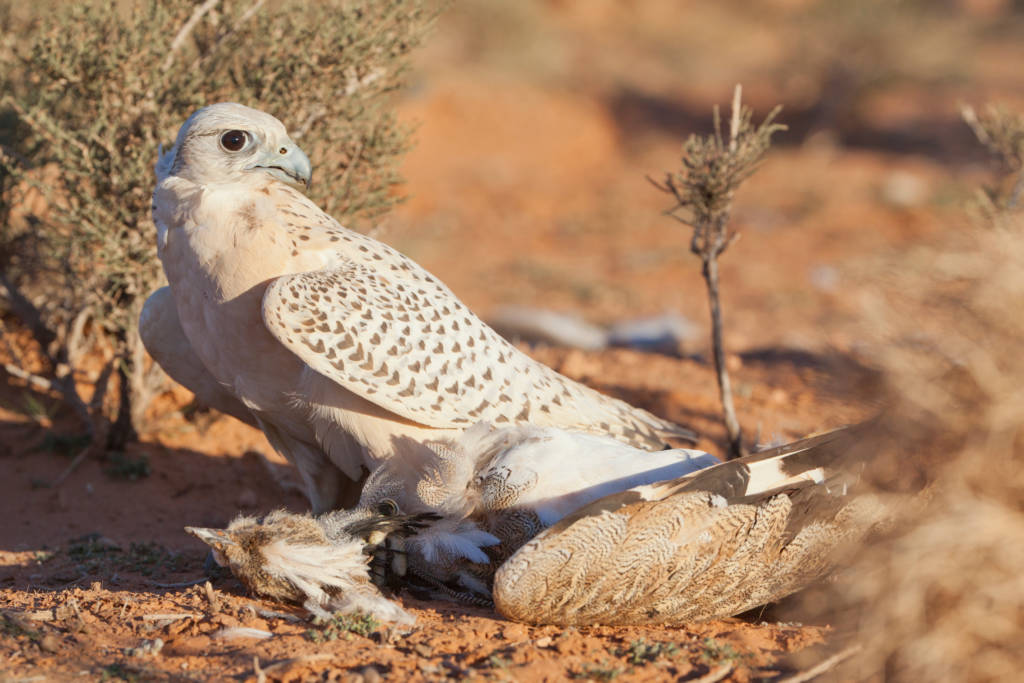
[710,544]
[339,345]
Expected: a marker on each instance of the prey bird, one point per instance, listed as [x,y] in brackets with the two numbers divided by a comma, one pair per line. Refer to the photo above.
[513,515]
[321,564]
[345,352]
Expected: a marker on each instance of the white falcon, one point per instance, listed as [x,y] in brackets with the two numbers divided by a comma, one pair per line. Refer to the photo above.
[344,351]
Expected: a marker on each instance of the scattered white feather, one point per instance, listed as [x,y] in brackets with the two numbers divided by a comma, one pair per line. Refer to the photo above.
[239,632]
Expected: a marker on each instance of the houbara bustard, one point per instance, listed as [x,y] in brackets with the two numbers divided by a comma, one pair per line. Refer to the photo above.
[568,528]
[345,352]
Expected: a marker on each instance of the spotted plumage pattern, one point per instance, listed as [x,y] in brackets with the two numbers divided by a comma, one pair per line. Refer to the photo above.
[340,348]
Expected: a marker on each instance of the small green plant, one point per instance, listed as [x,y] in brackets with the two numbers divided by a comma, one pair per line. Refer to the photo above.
[63,444]
[599,672]
[39,411]
[642,652]
[90,547]
[12,627]
[715,652]
[95,554]
[713,168]
[124,466]
[342,624]
[499,662]
[120,672]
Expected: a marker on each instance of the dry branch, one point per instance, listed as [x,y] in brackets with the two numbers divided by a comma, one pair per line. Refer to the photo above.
[713,169]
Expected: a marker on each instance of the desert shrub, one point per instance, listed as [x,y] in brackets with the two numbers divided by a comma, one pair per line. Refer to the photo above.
[92,89]
[940,597]
[1001,130]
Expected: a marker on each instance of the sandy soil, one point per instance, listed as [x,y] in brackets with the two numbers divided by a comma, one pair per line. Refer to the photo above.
[537,124]
[98,567]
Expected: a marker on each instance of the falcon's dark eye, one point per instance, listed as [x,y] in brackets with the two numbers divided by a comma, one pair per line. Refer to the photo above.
[234,140]
[387,507]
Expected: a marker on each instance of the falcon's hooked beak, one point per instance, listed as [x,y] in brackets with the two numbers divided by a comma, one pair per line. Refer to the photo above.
[287,163]
[217,539]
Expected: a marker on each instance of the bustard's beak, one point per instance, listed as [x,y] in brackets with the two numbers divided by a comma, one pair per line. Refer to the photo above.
[217,539]
[375,528]
[287,163]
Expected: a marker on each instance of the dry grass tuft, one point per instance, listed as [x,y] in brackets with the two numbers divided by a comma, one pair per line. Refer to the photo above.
[942,596]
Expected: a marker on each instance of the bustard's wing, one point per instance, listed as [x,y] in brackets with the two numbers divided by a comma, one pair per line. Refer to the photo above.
[495,489]
[382,327]
[711,544]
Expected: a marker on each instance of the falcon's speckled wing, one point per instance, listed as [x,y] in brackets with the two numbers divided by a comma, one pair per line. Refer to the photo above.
[400,339]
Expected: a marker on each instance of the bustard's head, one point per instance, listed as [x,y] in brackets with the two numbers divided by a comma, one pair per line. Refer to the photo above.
[323,563]
[285,556]
[229,143]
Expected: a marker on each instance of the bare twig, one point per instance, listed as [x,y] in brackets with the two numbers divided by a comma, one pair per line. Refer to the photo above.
[823,666]
[211,597]
[72,466]
[715,674]
[236,24]
[180,584]
[34,615]
[273,614]
[27,313]
[732,424]
[39,382]
[313,117]
[170,617]
[185,31]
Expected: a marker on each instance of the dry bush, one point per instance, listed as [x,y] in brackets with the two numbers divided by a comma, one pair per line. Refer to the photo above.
[848,51]
[713,168]
[92,89]
[942,596]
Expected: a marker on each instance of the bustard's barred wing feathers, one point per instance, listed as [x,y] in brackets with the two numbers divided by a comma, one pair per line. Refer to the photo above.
[704,546]
[400,339]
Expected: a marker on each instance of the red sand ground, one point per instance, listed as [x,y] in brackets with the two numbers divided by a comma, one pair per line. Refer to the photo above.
[536,129]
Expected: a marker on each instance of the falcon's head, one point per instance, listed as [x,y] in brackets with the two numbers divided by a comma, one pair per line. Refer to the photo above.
[228,143]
